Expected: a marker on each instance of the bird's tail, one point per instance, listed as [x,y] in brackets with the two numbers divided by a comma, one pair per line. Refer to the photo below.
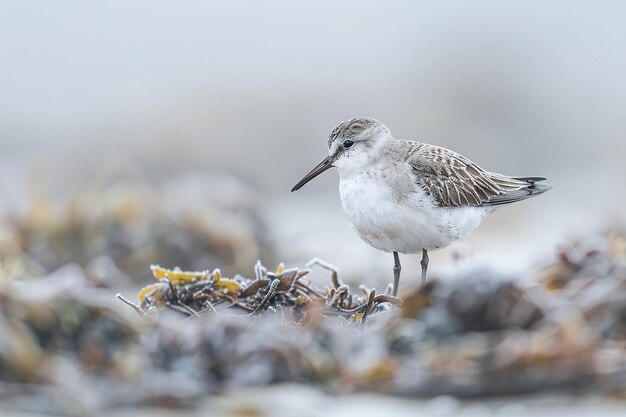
[533,187]
[531,180]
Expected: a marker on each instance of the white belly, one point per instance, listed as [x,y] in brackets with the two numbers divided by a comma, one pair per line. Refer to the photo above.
[407,225]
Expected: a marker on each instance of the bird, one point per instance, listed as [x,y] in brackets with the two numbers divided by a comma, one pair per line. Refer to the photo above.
[403,196]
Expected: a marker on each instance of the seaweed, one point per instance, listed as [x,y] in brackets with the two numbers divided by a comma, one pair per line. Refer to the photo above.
[67,346]
[203,292]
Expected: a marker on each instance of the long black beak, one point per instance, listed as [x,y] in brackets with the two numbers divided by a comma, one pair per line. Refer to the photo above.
[321,167]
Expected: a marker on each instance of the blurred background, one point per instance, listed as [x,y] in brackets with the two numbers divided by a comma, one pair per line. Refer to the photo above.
[162,132]
[162,90]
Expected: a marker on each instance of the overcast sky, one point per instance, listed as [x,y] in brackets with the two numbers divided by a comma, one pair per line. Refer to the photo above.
[66,64]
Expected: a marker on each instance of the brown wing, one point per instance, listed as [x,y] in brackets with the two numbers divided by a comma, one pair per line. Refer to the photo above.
[455,181]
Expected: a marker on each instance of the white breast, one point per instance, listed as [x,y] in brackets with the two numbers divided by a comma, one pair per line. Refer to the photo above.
[402,223]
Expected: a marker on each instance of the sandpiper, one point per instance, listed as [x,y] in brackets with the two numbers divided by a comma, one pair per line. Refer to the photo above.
[408,197]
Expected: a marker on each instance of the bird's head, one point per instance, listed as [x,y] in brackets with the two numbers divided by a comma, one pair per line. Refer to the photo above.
[352,145]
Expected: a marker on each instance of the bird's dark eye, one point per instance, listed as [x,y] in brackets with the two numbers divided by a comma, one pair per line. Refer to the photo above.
[348,143]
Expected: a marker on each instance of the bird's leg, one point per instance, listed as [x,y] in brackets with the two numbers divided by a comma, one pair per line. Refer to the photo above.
[424,263]
[396,273]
